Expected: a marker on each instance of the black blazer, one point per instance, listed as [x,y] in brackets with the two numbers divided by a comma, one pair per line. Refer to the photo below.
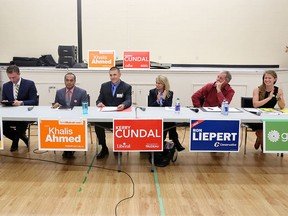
[27,92]
[152,99]
[79,95]
[122,95]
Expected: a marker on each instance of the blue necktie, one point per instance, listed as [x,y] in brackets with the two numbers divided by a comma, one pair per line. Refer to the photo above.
[113,90]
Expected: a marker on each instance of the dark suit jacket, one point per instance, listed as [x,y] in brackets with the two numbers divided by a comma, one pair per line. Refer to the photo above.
[122,94]
[27,92]
[79,95]
[152,99]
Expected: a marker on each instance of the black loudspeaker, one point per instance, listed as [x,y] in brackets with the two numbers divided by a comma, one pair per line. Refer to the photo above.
[67,55]
[67,60]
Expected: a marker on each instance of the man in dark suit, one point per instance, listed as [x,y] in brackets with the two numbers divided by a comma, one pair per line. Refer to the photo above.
[112,93]
[21,92]
[70,96]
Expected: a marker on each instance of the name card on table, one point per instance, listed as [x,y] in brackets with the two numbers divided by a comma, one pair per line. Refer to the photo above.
[136,60]
[138,135]
[214,135]
[63,134]
[101,59]
[275,136]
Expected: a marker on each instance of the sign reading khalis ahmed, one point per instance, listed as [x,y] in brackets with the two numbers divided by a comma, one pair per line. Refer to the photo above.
[66,135]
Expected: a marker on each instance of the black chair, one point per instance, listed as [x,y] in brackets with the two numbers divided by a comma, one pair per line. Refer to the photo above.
[89,124]
[31,124]
[246,102]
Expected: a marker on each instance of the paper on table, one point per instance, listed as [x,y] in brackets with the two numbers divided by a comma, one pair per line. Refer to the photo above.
[212,109]
[253,110]
[113,109]
[170,108]
[233,109]
[107,109]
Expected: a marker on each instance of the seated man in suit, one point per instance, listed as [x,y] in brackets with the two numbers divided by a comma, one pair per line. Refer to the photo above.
[112,93]
[69,96]
[21,92]
[213,94]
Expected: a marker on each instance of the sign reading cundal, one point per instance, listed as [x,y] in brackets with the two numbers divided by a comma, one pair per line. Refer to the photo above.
[275,137]
[214,135]
[63,134]
[136,60]
[138,135]
[101,59]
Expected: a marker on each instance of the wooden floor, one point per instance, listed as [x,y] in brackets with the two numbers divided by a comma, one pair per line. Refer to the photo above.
[43,183]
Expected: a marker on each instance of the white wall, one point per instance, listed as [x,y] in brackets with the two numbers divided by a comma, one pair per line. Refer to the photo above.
[185,31]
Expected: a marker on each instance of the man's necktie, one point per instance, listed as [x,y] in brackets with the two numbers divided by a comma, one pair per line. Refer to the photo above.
[68,98]
[113,90]
[16,91]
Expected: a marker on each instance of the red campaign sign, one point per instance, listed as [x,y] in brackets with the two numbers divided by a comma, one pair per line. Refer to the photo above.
[138,135]
[136,60]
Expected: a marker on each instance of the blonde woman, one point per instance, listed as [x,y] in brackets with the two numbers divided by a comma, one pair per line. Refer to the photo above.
[162,96]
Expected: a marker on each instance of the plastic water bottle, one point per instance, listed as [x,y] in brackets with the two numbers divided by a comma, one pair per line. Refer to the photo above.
[225,107]
[177,106]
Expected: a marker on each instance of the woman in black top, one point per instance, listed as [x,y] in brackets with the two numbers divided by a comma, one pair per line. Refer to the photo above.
[266,96]
[162,96]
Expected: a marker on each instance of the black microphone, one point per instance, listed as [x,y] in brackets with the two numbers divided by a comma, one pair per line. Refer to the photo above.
[196,110]
[30,108]
[142,108]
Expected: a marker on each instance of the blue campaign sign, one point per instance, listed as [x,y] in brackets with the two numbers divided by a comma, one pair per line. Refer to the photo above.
[214,135]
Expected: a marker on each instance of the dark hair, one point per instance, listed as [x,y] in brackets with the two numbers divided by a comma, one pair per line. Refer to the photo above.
[13,68]
[115,68]
[70,74]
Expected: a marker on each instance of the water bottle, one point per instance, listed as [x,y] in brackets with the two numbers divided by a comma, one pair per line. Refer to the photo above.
[85,108]
[177,106]
[225,107]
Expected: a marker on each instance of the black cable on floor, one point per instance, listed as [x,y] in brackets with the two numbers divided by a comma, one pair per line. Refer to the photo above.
[81,165]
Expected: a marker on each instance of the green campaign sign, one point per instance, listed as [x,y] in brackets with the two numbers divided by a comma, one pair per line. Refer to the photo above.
[275,136]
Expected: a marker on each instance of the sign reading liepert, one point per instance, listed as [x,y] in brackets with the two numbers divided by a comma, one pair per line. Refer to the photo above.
[64,134]
[214,135]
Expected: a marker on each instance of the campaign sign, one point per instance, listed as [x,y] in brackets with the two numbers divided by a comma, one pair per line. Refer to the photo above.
[101,59]
[64,134]
[275,136]
[136,60]
[138,135]
[214,135]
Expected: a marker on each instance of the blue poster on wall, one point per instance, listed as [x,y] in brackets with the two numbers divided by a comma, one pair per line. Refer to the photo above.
[214,135]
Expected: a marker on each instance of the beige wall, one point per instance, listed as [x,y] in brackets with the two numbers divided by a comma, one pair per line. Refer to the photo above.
[186,31]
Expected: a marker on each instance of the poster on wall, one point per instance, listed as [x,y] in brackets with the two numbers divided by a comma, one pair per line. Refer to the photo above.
[63,134]
[214,135]
[136,60]
[101,59]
